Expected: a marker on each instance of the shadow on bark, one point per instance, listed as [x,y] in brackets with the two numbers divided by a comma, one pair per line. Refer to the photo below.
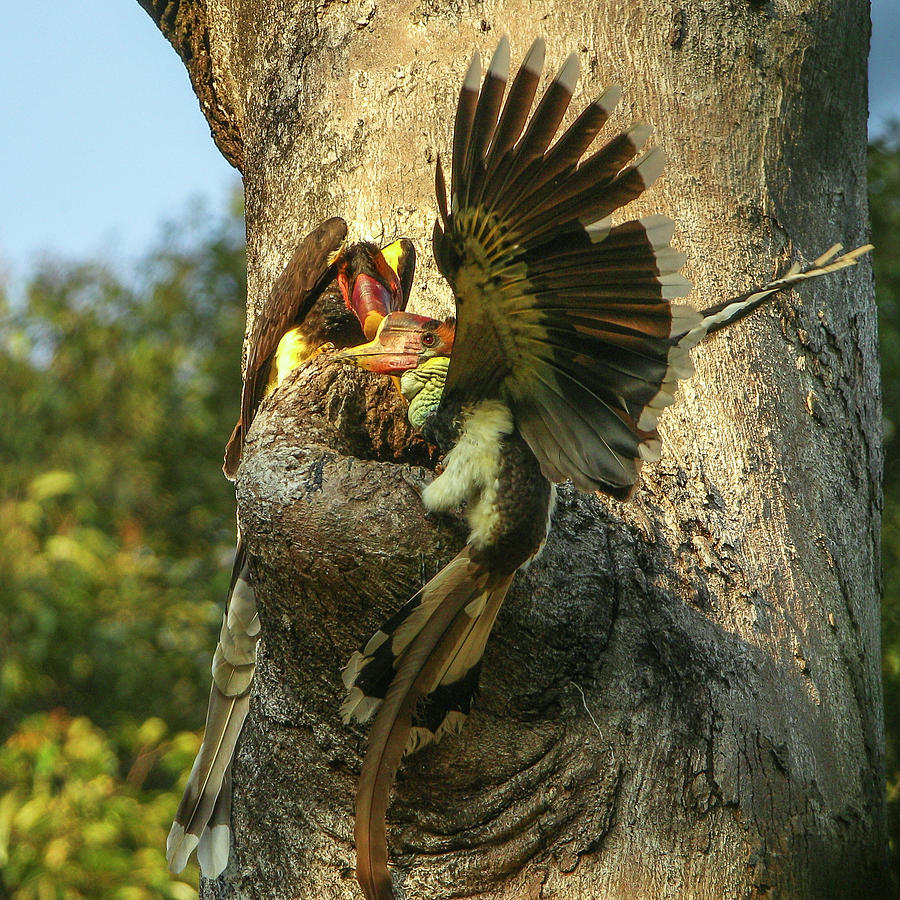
[605,639]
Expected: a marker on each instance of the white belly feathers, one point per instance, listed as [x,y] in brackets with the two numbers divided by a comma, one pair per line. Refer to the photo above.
[471,469]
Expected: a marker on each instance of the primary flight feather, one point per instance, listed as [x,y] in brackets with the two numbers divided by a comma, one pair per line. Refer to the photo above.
[565,348]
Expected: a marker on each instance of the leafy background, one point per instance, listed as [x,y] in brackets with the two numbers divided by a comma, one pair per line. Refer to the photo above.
[116,530]
[884,209]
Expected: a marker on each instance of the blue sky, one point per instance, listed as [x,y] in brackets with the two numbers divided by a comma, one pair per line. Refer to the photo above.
[103,139]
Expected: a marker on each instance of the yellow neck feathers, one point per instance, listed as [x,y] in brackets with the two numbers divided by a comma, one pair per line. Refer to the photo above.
[292,350]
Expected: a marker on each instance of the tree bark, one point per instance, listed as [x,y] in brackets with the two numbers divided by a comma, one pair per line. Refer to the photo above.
[682,695]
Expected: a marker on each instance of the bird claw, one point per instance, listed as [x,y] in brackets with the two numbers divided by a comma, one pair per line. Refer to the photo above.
[416,479]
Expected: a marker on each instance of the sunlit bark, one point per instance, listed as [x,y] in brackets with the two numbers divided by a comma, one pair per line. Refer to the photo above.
[682,697]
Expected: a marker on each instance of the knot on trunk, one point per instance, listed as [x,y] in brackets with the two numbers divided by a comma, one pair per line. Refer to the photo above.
[328,494]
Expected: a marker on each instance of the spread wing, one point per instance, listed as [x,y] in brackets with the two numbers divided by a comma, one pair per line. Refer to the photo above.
[559,313]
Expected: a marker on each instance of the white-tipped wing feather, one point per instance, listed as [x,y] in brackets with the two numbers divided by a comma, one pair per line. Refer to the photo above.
[203,816]
[561,314]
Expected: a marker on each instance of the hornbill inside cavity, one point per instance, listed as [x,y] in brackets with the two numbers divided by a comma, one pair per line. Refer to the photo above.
[565,349]
[329,295]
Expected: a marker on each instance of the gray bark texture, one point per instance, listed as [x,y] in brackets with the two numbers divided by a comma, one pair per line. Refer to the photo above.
[682,697]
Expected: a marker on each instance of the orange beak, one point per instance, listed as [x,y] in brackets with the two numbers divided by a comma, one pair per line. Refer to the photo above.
[396,347]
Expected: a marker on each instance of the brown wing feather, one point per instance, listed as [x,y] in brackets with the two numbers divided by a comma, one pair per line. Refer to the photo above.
[300,277]
[465,114]
[512,119]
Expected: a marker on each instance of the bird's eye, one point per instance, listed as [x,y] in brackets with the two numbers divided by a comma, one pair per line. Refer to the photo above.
[429,338]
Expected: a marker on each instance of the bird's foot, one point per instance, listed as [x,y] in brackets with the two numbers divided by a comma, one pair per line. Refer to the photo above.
[416,478]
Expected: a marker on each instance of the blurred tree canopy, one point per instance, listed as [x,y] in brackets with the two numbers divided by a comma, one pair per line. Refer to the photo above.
[116,529]
[884,204]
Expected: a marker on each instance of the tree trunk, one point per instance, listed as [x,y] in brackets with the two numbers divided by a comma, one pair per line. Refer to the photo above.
[682,695]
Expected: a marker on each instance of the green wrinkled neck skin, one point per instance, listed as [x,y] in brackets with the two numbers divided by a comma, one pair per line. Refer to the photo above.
[423,387]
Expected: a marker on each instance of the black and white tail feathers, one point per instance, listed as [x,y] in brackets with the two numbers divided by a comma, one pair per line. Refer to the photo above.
[428,654]
[442,709]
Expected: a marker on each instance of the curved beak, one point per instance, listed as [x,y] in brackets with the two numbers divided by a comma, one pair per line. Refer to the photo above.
[395,349]
[372,300]
[375,282]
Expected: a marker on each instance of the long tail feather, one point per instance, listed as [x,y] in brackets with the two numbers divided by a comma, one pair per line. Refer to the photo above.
[370,672]
[203,815]
[215,842]
[434,647]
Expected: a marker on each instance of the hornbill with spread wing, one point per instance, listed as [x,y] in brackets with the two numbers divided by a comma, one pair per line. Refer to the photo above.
[565,349]
[329,295]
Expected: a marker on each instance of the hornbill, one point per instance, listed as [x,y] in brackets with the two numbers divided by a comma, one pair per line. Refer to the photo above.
[329,295]
[565,349]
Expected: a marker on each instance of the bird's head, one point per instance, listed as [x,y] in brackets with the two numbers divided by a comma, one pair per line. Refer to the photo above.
[375,282]
[402,341]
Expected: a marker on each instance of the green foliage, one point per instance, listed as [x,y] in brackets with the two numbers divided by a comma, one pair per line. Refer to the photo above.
[72,827]
[116,524]
[116,532]
[884,201]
